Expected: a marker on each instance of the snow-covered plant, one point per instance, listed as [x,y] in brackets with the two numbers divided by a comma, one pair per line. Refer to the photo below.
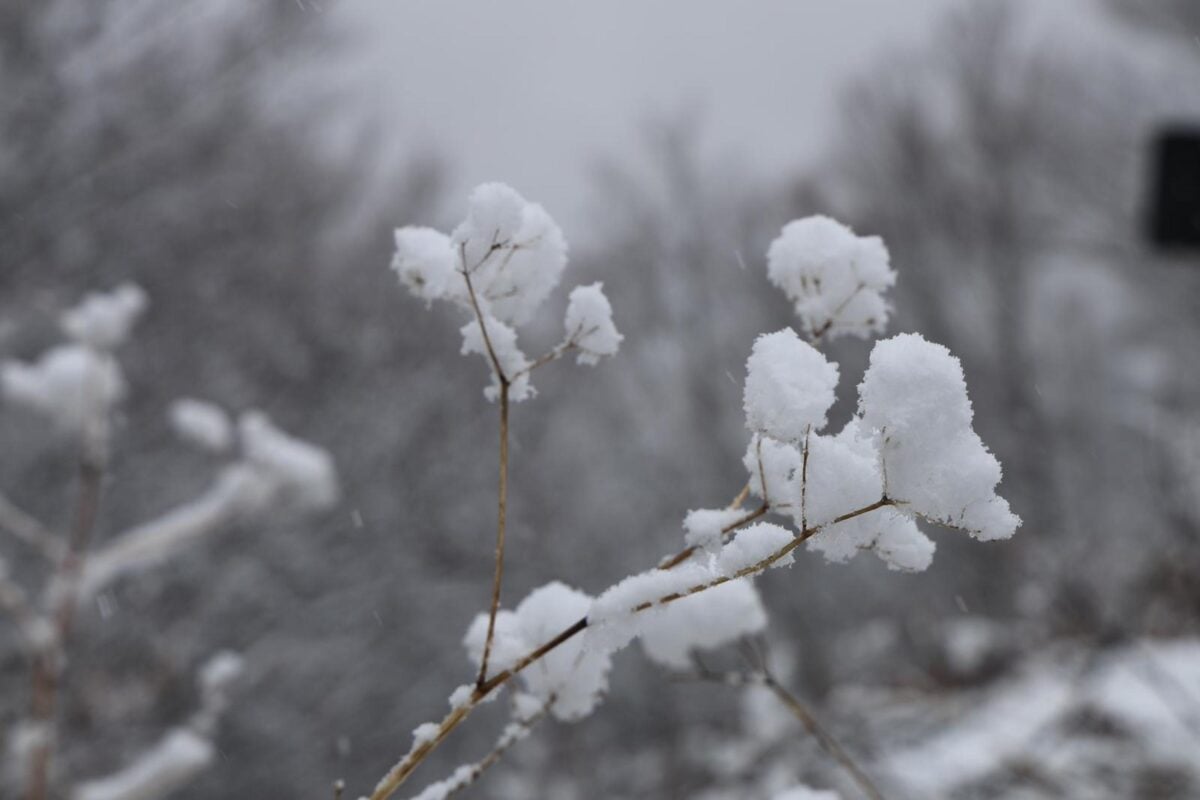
[77,386]
[908,455]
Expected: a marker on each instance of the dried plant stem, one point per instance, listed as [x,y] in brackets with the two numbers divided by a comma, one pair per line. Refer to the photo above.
[829,744]
[502,492]
[399,773]
[501,523]
[49,655]
[738,501]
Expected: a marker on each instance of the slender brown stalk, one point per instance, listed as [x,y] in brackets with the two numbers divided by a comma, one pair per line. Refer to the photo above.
[48,659]
[804,481]
[829,744]
[502,501]
[501,524]
[738,501]
[399,773]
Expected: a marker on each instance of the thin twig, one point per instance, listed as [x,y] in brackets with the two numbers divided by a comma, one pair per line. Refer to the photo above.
[501,523]
[399,773]
[829,744]
[804,480]
[740,500]
[502,502]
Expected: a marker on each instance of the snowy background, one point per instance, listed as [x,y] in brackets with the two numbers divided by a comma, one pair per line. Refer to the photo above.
[246,164]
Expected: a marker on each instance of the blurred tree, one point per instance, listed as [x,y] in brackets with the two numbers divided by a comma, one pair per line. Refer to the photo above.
[185,146]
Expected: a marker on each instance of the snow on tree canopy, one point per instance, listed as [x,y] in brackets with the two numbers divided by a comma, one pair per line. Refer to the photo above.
[703,621]
[789,386]
[203,424]
[589,324]
[71,384]
[103,320]
[576,677]
[914,395]
[835,279]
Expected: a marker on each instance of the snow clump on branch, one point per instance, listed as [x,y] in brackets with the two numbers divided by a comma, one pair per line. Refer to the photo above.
[500,265]
[835,279]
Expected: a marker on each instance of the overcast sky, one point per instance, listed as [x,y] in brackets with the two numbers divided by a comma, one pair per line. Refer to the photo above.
[529,91]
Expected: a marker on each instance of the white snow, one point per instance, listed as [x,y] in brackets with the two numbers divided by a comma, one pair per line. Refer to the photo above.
[789,386]
[302,473]
[72,384]
[425,262]
[574,675]
[915,397]
[589,324]
[835,279]
[703,526]
[513,362]
[205,425]
[171,764]
[704,621]
[103,320]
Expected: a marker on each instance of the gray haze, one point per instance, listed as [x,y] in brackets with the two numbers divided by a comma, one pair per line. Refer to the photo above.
[528,92]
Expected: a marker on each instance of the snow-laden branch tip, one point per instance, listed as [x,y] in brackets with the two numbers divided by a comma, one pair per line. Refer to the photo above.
[500,265]
[574,676]
[835,279]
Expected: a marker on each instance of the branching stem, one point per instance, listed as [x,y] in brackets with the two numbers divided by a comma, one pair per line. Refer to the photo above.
[399,773]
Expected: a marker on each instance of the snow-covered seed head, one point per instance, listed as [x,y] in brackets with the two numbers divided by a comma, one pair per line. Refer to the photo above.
[789,386]
[835,279]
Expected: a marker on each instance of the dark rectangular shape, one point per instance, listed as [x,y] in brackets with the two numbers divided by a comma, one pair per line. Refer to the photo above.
[1175,202]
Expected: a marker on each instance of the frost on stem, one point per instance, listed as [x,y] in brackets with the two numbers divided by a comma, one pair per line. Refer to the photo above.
[835,278]
[499,265]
